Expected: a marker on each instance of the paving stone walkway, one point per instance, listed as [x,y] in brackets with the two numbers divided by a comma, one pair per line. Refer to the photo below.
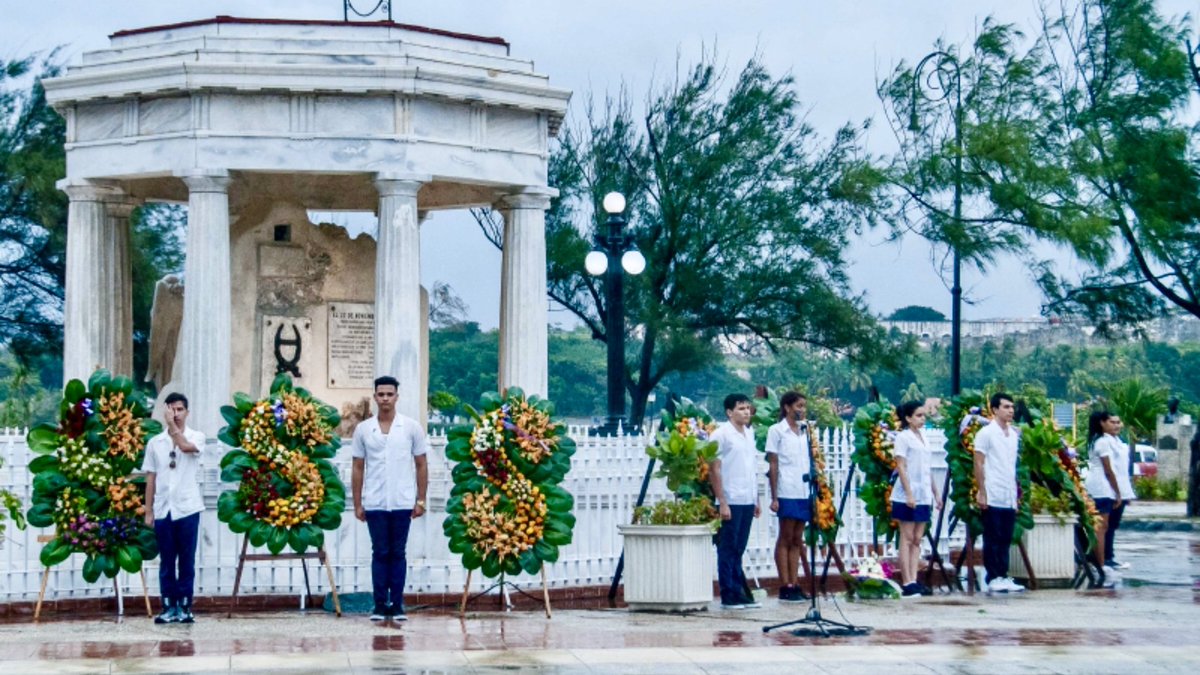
[1147,625]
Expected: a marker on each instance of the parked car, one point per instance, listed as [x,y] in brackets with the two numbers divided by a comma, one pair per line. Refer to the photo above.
[1145,460]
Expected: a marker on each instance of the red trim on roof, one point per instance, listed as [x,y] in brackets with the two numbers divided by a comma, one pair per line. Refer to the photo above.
[298,22]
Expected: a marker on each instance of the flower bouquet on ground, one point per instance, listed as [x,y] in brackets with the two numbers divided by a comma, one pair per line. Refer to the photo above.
[82,485]
[871,579]
[288,491]
[875,427]
[506,512]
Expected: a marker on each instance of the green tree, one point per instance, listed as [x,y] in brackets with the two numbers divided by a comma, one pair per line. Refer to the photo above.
[1083,140]
[33,213]
[741,212]
[463,361]
[916,313]
[1139,404]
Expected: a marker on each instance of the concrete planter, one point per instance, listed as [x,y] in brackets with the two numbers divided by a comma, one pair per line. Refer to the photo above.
[668,568]
[1051,548]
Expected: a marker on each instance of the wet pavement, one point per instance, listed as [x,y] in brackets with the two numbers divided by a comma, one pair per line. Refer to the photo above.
[1147,625]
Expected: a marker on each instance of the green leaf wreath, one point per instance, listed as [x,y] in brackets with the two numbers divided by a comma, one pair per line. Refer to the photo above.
[288,491]
[875,427]
[82,485]
[962,417]
[507,513]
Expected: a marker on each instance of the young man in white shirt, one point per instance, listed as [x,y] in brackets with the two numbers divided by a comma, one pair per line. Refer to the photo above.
[389,481]
[996,448]
[173,506]
[734,479]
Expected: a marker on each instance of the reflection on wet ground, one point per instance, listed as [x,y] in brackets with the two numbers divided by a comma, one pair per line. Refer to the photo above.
[1149,618]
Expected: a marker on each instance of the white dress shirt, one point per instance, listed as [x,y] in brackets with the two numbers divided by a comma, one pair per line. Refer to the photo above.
[389,471]
[739,464]
[1000,463]
[791,448]
[918,461]
[176,491]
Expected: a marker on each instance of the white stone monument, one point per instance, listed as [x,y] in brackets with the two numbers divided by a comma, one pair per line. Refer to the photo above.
[235,117]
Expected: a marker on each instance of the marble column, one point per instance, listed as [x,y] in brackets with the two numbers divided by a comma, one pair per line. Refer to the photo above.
[122,275]
[205,333]
[89,322]
[398,288]
[523,302]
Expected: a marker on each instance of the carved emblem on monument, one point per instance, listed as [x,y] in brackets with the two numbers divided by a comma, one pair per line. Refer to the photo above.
[284,363]
[283,342]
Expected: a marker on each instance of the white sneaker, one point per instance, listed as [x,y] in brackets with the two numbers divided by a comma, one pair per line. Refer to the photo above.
[997,585]
[1013,586]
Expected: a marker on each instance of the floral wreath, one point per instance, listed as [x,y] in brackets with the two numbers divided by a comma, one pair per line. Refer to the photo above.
[288,491]
[82,482]
[875,428]
[965,415]
[506,513]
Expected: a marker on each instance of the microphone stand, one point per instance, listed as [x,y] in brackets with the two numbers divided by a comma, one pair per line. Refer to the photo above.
[813,618]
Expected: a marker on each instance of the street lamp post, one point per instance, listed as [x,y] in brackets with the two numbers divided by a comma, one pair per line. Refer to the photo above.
[615,251]
[937,88]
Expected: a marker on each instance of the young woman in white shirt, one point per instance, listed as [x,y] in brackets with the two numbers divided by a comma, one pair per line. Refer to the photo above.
[1102,484]
[914,493]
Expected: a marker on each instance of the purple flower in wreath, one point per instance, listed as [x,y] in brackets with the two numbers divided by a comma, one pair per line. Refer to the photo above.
[974,410]
[280,413]
[87,407]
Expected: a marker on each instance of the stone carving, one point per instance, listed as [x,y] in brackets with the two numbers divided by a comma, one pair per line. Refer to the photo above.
[353,413]
[166,314]
[291,276]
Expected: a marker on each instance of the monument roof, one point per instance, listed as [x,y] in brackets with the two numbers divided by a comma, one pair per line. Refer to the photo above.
[246,55]
[225,19]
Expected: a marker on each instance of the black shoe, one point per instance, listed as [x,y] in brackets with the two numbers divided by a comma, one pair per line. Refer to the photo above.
[397,613]
[912,590]
[185,611]
[925,590]
[798,594]
[379,614]
[168,614]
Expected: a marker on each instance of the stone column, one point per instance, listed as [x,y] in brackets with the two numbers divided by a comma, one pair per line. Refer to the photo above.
[122,276]
[205,332]
[89,323]
[398,288]
[523,322]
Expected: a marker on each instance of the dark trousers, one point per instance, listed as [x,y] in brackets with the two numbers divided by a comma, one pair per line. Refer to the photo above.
[1114,521]
[998,527]
[177,556]
[731,544]
[389,567]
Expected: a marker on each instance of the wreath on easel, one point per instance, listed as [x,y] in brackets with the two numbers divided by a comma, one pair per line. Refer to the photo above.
[875,428]
[506,513]
[965,415]
[82,485]
[288,492]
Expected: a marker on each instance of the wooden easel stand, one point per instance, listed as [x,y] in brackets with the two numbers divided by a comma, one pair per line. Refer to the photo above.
[503,585]
[319,554]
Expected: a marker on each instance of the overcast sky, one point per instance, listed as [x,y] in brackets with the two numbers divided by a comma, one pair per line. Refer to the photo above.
[836,50]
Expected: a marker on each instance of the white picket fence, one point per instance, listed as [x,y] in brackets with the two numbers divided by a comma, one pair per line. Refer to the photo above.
[605,477]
